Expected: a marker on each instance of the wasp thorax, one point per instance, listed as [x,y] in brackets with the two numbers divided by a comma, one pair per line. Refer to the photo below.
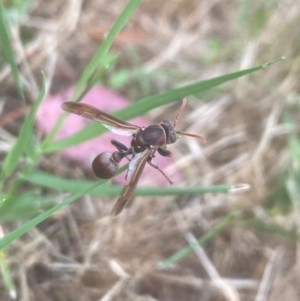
[151,135]
[104,165]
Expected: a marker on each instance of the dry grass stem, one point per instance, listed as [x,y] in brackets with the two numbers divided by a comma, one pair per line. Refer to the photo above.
[266,280]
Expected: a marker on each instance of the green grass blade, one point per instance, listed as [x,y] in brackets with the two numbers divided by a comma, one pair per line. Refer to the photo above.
[35,221]
[12,158]
[273,229]
[293,141]
[17,9]
[32,148]
[106,44]
[8,51]
[26,206]
[92,73]
[146,104]
[201,241]
[75,186]
[2,197]
[109,59]
[7,276]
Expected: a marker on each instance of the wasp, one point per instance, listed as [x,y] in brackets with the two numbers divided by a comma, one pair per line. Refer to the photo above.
[146,141]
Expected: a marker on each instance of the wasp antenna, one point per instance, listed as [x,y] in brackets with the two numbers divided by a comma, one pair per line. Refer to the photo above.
[192,135]
[180,111]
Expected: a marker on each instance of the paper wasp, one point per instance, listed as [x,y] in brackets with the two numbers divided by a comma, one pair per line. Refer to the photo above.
[146,141]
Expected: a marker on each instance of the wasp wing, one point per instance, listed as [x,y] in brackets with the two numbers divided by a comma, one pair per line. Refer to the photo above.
[112,123]
[135,169]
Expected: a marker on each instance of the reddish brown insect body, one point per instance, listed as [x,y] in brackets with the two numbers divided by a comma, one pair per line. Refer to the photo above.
[145,142]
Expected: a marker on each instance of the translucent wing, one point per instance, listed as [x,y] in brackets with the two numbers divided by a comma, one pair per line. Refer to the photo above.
[136,167]
[112,123]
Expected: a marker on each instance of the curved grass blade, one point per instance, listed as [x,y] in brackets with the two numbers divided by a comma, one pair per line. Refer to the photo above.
[146,104]
[26,206]
[8,51]
[75,186]
[35,221]
[7,276]
[95,68]
[12,158]
[272,229]
[106,44]
[17,9]
[201,241]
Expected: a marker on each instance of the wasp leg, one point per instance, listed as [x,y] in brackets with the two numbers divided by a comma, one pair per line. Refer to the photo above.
[156,167]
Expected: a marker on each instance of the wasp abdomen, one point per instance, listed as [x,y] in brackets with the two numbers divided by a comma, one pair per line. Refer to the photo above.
[104,165]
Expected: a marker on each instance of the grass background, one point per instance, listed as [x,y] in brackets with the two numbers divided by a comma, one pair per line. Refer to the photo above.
[204,238]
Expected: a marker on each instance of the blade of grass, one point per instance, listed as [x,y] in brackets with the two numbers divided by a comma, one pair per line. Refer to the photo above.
[106,44]
[110,59]
[293,141]
[75,186]
[12,158]
[91,71]
[17,9]
[31,149]
[26,206]
[35,221]
[8,51]
[273,229]
[7,277]
[201,241]
[146,104]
